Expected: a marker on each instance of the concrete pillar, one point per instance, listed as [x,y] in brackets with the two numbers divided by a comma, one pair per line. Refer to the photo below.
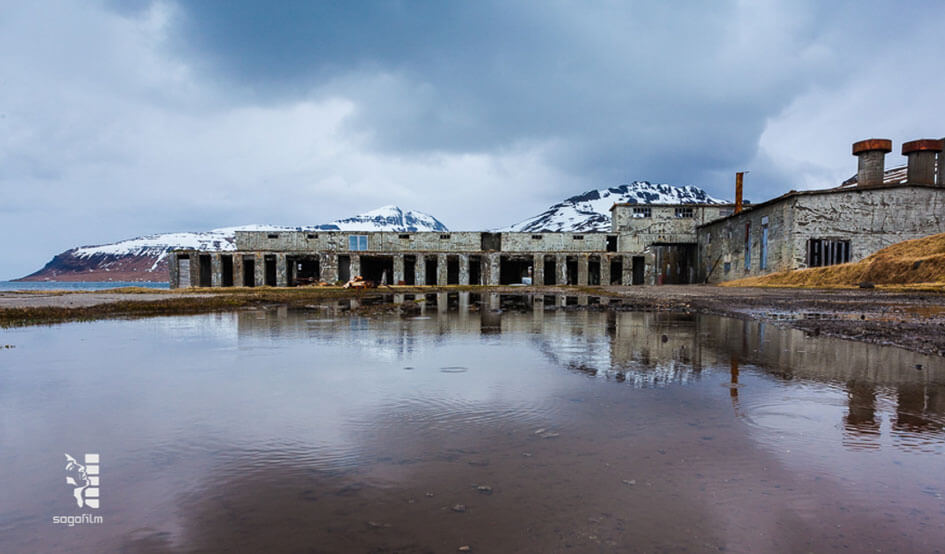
[399,298]
[328,267]
[464,269]
[216,270]
[582,262]
[260,270]
[561,268]
[604,270]
[398,269]
[237,269]
[538,269]
[627,278]
[582,300]
[173,275]
[441,302]
[921,158]
[492,277]
[871,155]
[463,303]
[420,271]
[355,265]
[441,272]
[281,271]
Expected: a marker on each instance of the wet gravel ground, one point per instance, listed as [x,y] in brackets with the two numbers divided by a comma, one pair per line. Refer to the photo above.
[915,321]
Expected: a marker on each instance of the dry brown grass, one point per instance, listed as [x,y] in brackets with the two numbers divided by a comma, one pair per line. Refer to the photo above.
[917,264]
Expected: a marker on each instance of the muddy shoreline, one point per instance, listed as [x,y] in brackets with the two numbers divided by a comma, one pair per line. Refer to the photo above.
[911,320]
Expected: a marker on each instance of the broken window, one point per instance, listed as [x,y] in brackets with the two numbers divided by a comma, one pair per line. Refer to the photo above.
[611,243]
[578,237]
[684,213]
[403,236]
[312,236]
[536,237]
[273,235]
[357,242]
[444,236]
[821,252]
[639,213]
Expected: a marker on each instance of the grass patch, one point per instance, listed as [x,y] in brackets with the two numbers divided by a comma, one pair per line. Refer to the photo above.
[912,265]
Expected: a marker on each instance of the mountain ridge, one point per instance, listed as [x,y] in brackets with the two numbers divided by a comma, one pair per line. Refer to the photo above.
[145,258]
[590,210]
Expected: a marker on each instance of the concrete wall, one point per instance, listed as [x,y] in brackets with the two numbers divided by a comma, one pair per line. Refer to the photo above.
[870,218]
[663,225]
[302,241]
[721,247]
[554,242]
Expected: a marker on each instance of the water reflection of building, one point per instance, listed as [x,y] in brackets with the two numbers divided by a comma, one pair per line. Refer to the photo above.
[873,376]
[653,349]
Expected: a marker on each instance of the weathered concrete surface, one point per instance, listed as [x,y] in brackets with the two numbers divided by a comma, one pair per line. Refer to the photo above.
[870,218]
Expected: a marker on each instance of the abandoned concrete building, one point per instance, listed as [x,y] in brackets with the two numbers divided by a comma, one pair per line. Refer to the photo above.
[647,244]
[815,228]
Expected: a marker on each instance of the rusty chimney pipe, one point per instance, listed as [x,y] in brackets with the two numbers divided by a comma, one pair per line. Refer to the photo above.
[739,177]
[871,154]
[921,157]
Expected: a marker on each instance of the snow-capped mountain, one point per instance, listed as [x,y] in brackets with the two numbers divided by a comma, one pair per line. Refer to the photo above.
[591,211]
[145,258]
[387,218]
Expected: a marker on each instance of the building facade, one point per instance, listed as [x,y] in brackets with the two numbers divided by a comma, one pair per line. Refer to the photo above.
[648,243]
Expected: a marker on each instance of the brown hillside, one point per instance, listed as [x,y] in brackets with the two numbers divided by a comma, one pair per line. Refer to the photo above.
[918,261]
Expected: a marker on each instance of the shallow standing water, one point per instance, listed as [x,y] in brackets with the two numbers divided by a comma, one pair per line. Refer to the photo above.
[534,431]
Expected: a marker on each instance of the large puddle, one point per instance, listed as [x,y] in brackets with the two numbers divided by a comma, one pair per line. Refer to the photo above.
[531,430]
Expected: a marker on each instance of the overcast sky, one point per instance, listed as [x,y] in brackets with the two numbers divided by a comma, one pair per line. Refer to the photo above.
[123,118]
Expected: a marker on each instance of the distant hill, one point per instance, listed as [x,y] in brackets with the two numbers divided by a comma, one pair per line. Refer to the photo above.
[145,258]
[590,211]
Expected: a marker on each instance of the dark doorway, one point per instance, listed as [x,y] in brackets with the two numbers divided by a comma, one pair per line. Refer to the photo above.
[593,271]
[344,268]
[616,271]
[452,270]
[571,264]
[379,269]
[551,275]
[306,270]
[513,268]
[430,267]
[206,271]
[475,270]
[269,262]
[249,271]
[611,243]
[226,267]
[639,267]
[410,270]
[491,242]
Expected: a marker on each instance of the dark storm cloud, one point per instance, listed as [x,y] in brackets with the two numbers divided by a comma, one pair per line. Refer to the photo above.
[649,90]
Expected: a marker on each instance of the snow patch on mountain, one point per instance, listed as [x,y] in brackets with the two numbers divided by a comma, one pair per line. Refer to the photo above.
[387,218]
[590,211]
[145,258]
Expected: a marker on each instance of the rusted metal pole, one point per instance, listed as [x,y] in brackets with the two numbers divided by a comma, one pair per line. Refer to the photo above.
[739,177]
